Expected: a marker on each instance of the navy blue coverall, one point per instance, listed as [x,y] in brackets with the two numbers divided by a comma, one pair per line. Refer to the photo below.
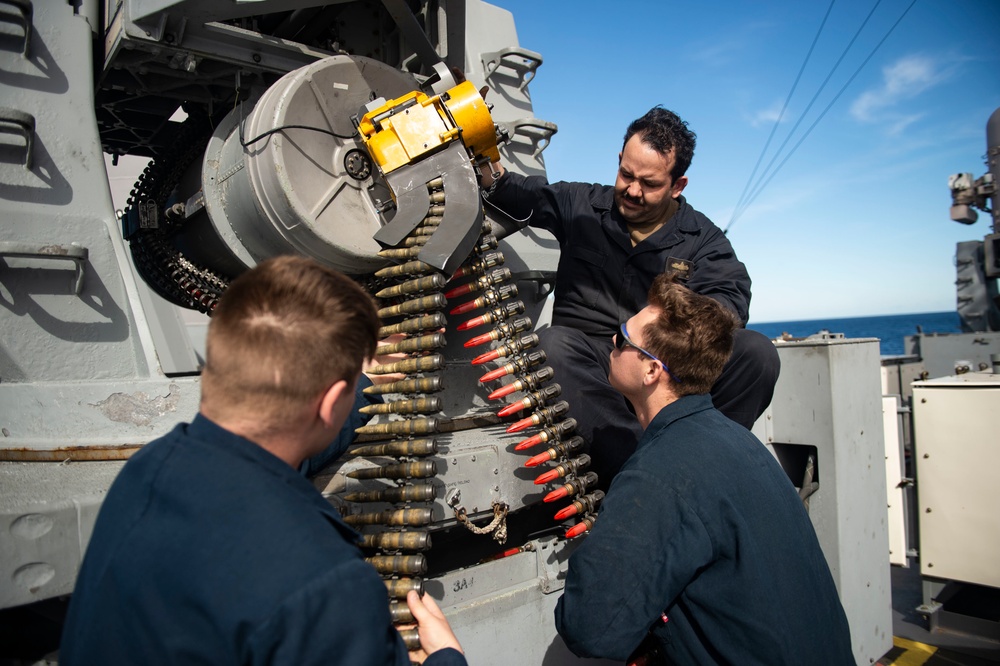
[602,280]
[210,550]
[703,527]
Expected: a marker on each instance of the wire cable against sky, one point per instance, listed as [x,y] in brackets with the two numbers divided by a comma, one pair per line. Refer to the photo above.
[744,203]
[781,114]
[753,197]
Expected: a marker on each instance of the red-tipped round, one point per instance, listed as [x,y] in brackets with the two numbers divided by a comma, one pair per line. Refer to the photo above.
[479,340]
[556,494]
[535,461]
[545,478]
[577,530]
[486,358]
[523,424]
[472,323]
[459,291]
[465,307]
[528,443]
[494,374]
[566,512]
[512,408]
[503,390]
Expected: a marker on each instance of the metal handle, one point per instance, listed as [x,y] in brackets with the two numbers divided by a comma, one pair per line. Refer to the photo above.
[75,253]
[13,121]
[525,63]
[23,6]
[539,132]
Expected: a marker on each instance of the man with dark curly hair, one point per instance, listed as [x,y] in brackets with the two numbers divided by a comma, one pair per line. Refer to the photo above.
[614,240]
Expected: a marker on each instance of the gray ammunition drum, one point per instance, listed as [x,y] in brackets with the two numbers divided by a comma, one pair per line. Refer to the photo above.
[415,306]
[416,385]
[417,406]
[408,447]
[394,517]
[398,587]
[415,325]
[422,364]
[409,565]
[412,470]
[433,282]
[420,492]
[397,540]
[425,426]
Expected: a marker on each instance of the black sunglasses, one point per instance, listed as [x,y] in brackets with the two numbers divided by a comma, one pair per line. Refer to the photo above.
[622,340]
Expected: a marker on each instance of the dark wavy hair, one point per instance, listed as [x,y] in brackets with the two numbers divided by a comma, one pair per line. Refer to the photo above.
[664,131]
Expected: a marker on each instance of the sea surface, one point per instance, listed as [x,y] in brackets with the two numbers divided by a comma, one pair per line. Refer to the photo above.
[889,329]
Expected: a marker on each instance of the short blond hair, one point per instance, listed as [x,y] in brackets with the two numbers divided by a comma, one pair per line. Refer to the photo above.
[282,333]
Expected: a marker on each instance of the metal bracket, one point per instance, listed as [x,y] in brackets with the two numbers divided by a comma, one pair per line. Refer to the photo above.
[538,132]
[23,6]
[546,280]
[75,253]
[13,121]
[525,63]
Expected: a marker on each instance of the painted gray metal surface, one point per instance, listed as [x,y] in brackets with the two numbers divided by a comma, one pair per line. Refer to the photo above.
[87,370]
[828,402]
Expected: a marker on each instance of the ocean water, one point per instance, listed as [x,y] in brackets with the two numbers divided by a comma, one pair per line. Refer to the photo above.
[889,329]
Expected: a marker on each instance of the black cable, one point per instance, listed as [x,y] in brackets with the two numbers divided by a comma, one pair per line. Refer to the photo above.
[832,102]
[781,115]
[264,135]
[738,211]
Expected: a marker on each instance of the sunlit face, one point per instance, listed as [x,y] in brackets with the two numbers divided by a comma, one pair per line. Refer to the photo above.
[644,187]
[628,364]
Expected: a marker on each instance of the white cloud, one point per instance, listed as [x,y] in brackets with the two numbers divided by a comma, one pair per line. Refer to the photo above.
[902,81]
[767,116]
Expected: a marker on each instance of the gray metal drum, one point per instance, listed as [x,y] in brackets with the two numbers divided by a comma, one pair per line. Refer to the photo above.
[299,190]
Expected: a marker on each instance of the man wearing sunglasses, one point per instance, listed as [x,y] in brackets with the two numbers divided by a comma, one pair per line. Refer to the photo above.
[614,240]
[715,559]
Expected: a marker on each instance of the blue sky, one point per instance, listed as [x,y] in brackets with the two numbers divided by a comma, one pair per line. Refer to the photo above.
[856,221]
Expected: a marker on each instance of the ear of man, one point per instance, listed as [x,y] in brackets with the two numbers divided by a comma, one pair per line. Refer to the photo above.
[336,403]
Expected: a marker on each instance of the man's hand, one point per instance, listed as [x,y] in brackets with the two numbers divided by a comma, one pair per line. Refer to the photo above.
[386,359]
[495,171]
[435,632]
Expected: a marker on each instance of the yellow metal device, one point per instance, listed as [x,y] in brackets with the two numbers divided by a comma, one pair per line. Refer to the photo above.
[410,127]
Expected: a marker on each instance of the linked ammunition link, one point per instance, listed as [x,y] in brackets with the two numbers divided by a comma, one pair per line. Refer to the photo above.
[398,587]
[424,469]
[407,565]
[420,492]
[430,384]
[397,540]
[429,322]
[397,518]
[406,447]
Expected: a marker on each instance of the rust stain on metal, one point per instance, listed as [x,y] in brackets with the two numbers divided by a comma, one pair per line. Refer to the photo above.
[73,453]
